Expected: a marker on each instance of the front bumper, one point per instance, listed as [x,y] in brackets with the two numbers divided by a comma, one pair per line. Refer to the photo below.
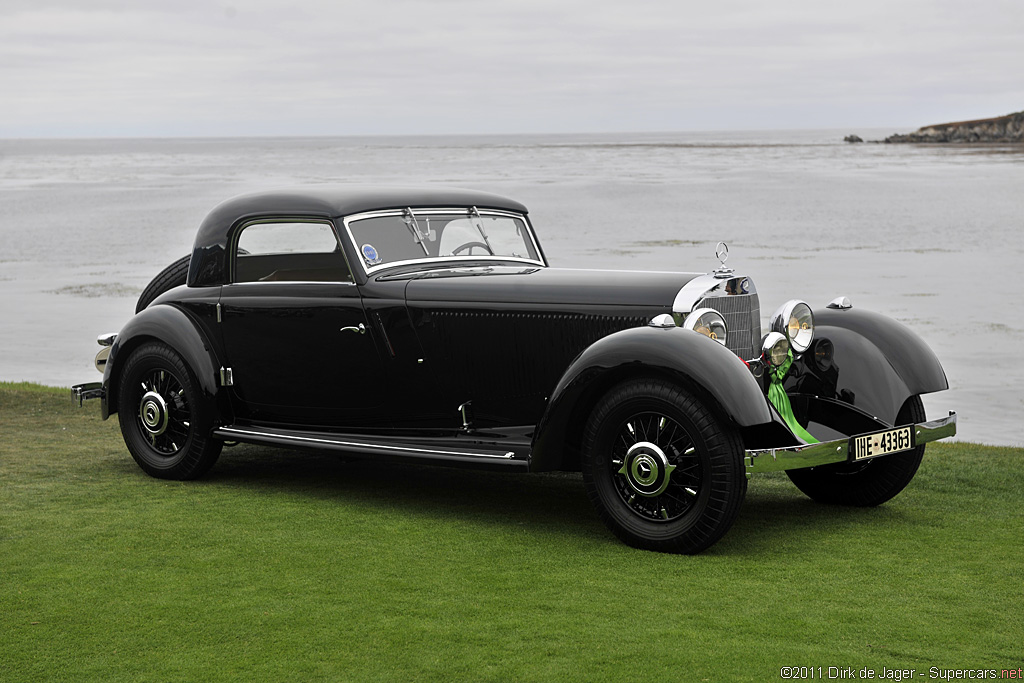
[86,392]
[829,452]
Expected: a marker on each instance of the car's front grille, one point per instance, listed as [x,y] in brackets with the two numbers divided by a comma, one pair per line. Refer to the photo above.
[742,313]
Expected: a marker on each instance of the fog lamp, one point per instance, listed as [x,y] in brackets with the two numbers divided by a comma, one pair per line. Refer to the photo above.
[823,353]
[774,349]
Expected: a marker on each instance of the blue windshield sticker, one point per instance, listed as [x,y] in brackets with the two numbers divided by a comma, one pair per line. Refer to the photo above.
[371,255]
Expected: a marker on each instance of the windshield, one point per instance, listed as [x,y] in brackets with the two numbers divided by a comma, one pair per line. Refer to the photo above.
[385,238]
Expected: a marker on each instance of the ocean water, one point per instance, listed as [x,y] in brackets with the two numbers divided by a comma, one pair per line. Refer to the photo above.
[932,236]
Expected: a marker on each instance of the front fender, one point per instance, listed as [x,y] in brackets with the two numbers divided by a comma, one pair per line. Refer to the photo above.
[703,366]
[176,328]
[878,363]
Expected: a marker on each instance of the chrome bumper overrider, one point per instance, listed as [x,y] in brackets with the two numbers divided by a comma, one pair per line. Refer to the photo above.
[812,455]
[85,392]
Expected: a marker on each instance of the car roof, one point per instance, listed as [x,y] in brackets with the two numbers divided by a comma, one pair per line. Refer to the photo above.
[320,201]
[332,201]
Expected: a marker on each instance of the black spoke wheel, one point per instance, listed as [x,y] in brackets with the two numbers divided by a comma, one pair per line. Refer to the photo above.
[663,473]
[160,421]
[870,482]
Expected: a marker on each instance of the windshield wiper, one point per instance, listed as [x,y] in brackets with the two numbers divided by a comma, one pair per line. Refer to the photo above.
[409,218]
[473,211]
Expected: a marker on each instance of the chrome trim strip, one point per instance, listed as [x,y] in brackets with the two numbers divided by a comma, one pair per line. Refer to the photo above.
[229,431]
[450,259]
[266,283]
[813,455]
[444,259]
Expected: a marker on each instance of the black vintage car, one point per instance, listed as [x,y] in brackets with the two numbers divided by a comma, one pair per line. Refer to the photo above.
[426,325]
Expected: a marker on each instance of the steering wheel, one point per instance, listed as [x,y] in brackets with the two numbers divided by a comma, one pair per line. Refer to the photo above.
[470,245]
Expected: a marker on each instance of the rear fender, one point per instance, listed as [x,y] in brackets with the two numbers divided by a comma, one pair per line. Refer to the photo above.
[704,367]
[176,328]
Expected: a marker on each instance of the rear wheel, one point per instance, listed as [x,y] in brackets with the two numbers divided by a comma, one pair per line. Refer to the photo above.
[867,483]
[159,417]
[663,473]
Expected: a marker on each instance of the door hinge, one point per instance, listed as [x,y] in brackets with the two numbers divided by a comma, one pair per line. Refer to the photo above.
[219,317]
[227,377]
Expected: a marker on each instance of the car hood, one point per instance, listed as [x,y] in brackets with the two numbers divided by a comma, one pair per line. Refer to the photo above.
[517,285]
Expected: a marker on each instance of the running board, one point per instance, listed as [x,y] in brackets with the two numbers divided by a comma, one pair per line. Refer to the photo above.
[436,451]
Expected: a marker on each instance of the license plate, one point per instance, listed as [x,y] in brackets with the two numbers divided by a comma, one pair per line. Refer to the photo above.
[882,443]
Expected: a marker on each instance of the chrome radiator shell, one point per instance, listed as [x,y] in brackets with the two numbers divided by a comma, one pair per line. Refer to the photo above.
[735,297]
[742,315]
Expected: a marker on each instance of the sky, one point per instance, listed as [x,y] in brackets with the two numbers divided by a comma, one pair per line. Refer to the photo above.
[107,68]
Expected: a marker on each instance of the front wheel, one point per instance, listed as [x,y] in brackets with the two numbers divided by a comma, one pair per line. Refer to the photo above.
[662,471]
[867,483]
[160,419]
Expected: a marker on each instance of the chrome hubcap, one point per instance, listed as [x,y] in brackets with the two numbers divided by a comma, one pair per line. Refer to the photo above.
[655,467]
[646,469]
[153,412]
[164,414]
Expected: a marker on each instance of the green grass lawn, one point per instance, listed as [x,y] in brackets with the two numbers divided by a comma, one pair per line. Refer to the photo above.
[299,566]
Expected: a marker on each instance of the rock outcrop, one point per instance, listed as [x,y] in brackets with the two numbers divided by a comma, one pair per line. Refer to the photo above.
[853,138]
[1009,128]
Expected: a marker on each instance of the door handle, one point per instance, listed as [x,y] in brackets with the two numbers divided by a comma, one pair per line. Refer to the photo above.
[360,328]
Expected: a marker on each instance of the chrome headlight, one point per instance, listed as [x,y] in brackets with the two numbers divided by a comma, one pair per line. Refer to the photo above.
[708,322]
[774,349]
[795,320]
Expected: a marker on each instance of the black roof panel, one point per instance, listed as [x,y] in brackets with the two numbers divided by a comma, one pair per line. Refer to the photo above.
[331,201]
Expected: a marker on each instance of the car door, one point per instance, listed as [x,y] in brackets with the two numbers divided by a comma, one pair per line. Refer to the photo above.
[300,347]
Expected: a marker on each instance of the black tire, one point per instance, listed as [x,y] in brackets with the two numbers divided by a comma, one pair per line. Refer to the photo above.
[868,483]
[662,471]
[160,418]
[170,277]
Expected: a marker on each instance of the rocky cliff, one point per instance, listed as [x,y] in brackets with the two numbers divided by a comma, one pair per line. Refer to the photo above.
[1009,128]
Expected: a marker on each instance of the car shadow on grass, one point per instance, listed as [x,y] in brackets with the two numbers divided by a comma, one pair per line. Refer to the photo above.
[550,501]
[774,514]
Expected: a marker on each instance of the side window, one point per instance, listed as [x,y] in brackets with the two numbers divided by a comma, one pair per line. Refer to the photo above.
[289,252]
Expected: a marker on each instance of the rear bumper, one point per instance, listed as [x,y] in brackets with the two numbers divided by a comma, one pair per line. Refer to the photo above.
[829,452]
[87,392]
